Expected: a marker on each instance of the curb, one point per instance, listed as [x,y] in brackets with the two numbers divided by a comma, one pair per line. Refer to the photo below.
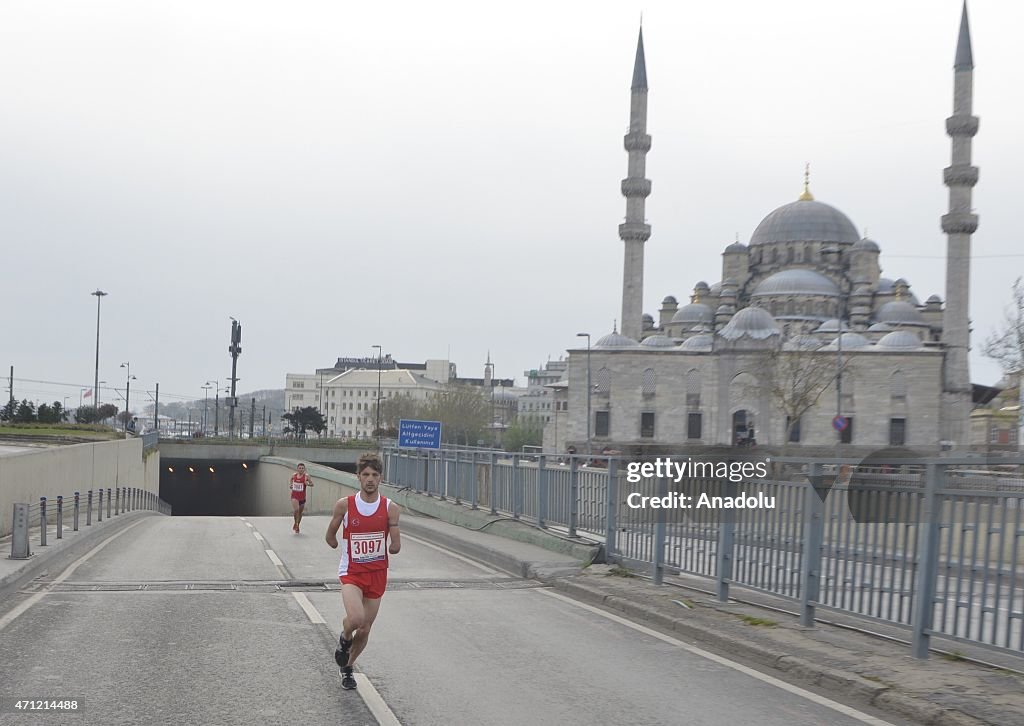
[800,669]
[53,555]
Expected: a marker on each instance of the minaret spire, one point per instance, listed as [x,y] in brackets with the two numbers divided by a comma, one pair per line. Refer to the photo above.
[959,224]
[635,188]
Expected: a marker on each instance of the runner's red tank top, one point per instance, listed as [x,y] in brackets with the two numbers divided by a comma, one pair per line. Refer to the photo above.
[366,537]
[299,485]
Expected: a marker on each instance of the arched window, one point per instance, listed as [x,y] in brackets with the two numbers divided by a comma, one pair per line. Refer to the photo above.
[693,389]
[603,382]
[647,382]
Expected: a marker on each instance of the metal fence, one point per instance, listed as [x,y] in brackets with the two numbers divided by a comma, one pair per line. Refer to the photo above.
[936,545]
[81,510]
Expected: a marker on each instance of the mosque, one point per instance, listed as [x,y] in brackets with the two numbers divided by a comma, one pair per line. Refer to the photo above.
[802,343]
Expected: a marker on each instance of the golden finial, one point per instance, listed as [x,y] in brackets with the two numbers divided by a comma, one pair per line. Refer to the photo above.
[807,196]
[695,297]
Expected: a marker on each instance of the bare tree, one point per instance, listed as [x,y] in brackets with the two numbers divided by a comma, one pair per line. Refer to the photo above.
[795,377]
[1006,346]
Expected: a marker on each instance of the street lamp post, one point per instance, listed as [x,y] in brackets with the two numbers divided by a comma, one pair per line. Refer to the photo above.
[206,397]
[589,388]
[216,407]
[379,357]
[96,392]
[127,394]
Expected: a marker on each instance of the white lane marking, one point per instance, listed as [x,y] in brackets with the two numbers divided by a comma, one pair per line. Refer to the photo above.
[384,715]
[274,558]
[9,617]
[258,536]
[821,700]
[311,612]
[449,553]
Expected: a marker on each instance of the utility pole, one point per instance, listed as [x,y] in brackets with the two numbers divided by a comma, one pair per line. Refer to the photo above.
[156,411]
[12,387]
[235,349]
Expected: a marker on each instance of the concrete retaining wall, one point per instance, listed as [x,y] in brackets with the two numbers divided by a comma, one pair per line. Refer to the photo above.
[64,470]
[271,496]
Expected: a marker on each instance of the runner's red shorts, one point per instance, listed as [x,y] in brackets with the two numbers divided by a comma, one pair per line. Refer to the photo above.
[373,583]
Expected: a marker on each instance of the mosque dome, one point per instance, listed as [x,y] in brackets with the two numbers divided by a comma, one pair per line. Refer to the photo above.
[934,299]
[880,328]
[699,343]
[670,300]
[715,290]
[657,341]
[802,342]
[694,313]
[851,341]
[750,322]
[900,340]
[830,326]
[796,282]
[885,287]
[805,220]
[899,312]
[736,247]
[616,340]
[865,244]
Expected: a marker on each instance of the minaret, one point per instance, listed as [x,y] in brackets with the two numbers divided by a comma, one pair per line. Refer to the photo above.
[635,188]
[958,225]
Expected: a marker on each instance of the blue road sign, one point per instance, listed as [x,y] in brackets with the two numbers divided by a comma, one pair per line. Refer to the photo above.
[419,434]
[839,423]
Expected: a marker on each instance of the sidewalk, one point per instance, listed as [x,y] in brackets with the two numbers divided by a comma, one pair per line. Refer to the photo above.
[855,666]
[58,553]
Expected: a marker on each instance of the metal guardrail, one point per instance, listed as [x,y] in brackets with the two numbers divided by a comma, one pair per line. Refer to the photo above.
[54,511]
[935,545]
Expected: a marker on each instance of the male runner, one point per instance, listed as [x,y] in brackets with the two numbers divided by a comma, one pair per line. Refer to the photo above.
[298,484]
[368,520]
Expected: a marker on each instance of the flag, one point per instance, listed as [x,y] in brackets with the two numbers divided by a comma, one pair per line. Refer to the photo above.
[88,393]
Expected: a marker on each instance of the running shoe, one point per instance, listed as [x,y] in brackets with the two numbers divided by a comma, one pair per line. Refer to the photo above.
[348,681]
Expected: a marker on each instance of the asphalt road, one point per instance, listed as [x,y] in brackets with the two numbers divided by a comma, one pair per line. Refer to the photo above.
[177,621]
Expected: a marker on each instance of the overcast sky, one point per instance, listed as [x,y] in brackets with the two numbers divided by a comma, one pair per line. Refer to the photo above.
[442,178]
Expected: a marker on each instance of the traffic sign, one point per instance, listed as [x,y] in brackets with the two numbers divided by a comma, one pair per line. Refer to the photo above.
[839,423]
[419,434]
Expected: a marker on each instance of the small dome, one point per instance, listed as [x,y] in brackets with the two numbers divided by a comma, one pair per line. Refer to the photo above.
[616,340]
[736,248]
[715,289]
[885,287]
[880,328]
[802,342]
[699,343]
[701,286]
[899,312]
[657,341]
[866,244]
[751,322]
[805,221]
[694,313]
[670,300]
[900,340]
[934,299]
[851,341]
[796,282]
[647,318]
[830,326]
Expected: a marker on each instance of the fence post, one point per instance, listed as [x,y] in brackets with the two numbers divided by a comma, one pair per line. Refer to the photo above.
[42,521]
[110,496]
[494,482]
[814,531]
[928,563]
[726,536]
[517,487]
[442,470]
[77,507]
[117,501]
[473,484]
[60,516]
[20,547]
[542,490]
[574,495]
[611,525]
[88,508]
[100,508]
[458,490]
[658,551]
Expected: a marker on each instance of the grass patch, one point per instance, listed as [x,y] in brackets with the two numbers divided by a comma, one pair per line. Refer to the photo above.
[77,431]
[619,571]
[956,656]
[751,620]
